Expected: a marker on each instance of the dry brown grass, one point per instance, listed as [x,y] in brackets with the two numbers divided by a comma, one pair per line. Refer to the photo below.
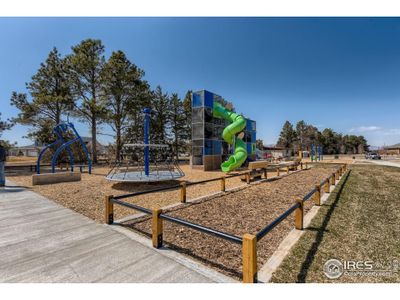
[360,222]
[20,160]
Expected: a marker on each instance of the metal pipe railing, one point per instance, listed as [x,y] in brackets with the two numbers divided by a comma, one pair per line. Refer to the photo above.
[133,206]
[309,195]
[204,229]
[275,222]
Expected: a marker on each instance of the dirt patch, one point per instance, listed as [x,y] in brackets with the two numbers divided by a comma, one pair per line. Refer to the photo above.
[245,211]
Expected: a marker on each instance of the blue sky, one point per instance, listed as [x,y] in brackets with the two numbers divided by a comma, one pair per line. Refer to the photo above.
[342,73]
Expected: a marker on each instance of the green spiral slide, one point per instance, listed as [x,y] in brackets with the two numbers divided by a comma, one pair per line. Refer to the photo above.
[238,123]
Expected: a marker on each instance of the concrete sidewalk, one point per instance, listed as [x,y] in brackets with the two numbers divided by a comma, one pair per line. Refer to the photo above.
[41,241]
[385,163]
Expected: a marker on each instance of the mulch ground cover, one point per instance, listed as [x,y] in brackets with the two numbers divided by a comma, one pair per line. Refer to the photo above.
[245,211]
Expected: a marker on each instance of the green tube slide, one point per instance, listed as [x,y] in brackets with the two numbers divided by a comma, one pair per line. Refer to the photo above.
[238,123]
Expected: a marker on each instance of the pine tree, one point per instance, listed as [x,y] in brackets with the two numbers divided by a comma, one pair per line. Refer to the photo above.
[259,144]
[187,106]
[51,98]
[4,125]
[287,137]
[124,90]
[85,68]
[160,121]
[178,124]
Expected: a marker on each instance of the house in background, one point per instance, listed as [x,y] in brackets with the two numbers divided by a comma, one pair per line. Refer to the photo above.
[274,152]
[34,149]
[392,150]
[28,151]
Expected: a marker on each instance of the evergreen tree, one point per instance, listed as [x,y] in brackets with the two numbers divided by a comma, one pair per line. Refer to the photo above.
[123,89]
[178,124]
[51,98]
[160,121]
[259,144]
[85,68]
[287,137]
[187,106]
[4,125]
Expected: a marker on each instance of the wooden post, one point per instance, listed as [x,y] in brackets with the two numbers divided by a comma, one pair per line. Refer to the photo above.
[157,228]
[277,172]
[317,195]
[301,165]
[333,179]
[265,173]
[223,184]
[306,166]
[249,254]
[327,186]
[248,177]
[299,214]
[287,170]
[109,210]
[183,192]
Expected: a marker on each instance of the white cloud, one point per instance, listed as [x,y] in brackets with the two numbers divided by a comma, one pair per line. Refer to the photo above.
[365,129]
[392,131]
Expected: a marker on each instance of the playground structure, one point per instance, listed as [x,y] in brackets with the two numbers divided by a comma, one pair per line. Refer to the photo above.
[145,162]
[215,130]
[64,132]
[316,153]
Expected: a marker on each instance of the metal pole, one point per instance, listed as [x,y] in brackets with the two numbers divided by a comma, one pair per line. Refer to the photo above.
[147,112]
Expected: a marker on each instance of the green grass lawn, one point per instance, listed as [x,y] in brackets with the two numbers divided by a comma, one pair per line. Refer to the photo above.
[359,222]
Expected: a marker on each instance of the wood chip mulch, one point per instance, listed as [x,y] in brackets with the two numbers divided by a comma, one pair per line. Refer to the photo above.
[245,211]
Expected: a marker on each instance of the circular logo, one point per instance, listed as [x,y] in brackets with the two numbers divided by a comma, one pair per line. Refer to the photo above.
[333,269]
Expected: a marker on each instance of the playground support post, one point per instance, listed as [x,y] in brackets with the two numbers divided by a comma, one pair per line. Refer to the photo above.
[157,228]
[249,257]
[147,112]
[109,210]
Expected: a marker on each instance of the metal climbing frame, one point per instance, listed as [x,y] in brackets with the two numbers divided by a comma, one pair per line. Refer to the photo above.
[145,162]
[58,131]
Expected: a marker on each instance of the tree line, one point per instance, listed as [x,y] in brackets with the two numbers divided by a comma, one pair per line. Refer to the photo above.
[98,91]
[303,136]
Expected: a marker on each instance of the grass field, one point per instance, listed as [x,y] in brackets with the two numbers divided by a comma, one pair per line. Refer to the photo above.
[360,222]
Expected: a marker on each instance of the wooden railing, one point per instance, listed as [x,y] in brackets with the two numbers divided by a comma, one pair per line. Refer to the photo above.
[248,241]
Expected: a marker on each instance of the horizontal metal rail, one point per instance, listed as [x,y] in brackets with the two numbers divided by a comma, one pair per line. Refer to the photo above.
[133,206]
[177,186]
[275,222]
[323,182]
[204,229]
[201,228]
[283,216]
[309,195]
[148,192]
